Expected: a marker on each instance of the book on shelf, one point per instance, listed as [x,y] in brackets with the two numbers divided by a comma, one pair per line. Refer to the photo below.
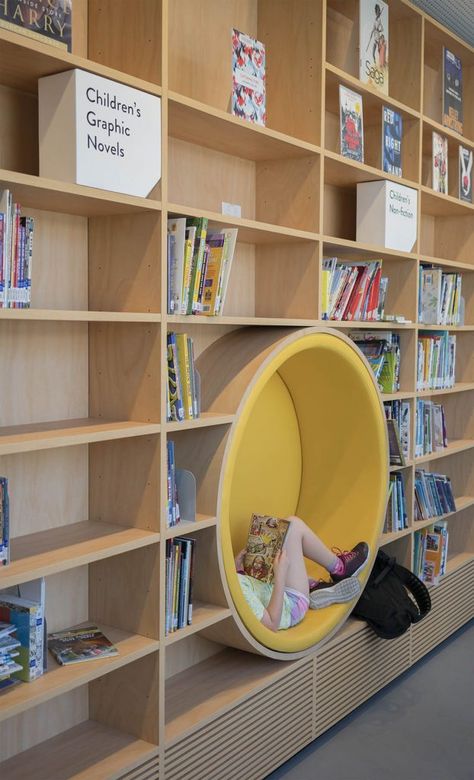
[4,523]
[184,384]
[394,445]
[352,290]
[16,254]
[373,44]
[430,429]
[382,351]
[436,361]
[452,91]
[465,174]
[79,644]
[23,607]
[248,78]
[440,163]
[48,22]
[433,495]
[396,518]
[265,539]
[399,412]
[440,297]
[351,124]
[199,266]
[392,133]
[173,513]
[431,552]
[180,553]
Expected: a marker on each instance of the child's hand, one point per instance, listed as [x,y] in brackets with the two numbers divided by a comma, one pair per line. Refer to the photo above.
[239,560]
[281,565]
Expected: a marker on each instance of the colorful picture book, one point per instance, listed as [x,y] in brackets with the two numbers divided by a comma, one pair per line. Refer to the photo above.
[26,615]
[382,351]
[439,297]
[48,22]
[430,431]
[199,266]
[352,290]
[452,91]
[184,384]
[373,43]
[396,518]
[436,361]
[173,513]
[4,523]
[9,655]
[16,254]
[399,413]
[248,78]
[79,644]
[266,537]
[351,124]
[465,174]
[180,553]
[431,552]
[433,495]
[392,133]
[440,163]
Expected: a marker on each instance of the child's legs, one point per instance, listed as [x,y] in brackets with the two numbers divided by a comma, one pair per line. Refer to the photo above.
[311,545]
[296,576]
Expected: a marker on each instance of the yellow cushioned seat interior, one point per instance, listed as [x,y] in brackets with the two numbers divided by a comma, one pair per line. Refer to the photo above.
[311,441]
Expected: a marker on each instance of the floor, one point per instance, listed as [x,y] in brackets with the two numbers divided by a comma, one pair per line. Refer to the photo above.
[420,727]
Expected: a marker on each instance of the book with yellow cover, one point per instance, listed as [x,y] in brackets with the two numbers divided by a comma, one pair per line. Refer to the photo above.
[265,540]
[185,374]
[213,271]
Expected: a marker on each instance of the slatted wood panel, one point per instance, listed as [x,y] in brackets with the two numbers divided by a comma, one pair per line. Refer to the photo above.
[226,748]
[452,606]
[349,674]
[150,770]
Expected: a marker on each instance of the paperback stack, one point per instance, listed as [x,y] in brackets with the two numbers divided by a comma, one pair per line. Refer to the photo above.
[173,515]
[431,552]
[353,291]
[439,301]
[27,617]
[16,254]
[199,264]
[382,350]
[184,396]
[430,434]
[396,518]
[433,495]
[4,523]
[9,654]
[179,580]
[399,412]
[436,361]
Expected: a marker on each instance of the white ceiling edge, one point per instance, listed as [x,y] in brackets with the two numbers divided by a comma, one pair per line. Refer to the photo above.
[457,15]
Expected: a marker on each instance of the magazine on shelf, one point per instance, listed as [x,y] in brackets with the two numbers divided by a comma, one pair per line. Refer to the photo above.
[76,645]
[452,91]
[351,124]
[465,174]
[373,42]
[440,163]
[248,78]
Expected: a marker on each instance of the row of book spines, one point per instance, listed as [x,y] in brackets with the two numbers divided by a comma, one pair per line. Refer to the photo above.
[353,291]
[436,361]
[173,513]
[400,413]
[396,518]
[439,297]
[431,434]
[382,351]
[16,254]
[4,522]
[431,552]
[180,553]
[433,495]
[183,400]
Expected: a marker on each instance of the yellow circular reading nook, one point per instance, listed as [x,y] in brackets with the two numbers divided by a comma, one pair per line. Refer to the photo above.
[309,438]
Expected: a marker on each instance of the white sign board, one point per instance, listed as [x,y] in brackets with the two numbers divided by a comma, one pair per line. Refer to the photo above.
[100,133]
[387,215]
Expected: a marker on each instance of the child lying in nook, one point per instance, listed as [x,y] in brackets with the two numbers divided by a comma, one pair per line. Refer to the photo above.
[285,602]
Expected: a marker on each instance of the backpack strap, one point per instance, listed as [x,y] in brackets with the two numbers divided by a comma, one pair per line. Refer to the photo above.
[416,587]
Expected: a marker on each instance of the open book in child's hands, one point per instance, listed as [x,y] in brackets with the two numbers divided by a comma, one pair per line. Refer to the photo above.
[265,540]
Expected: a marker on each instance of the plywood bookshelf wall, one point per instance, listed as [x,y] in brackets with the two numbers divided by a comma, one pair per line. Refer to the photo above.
[83,382]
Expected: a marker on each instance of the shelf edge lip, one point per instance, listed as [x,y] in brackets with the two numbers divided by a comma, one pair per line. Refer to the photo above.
[373,248]
[200,422]
[459,387]
[222,613]
[440,128]
[77,315]
[456,449]
[191,319]
[418,525]
[365,88]
[369,169]
[449,199]
[188,527]
[429,259]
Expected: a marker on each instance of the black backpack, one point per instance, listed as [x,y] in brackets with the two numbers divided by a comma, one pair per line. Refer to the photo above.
[385,602]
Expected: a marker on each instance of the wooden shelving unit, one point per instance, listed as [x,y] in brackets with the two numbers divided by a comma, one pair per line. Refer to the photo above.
[83,428]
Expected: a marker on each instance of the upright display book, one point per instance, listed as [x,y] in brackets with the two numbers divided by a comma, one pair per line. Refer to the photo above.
[351,124]
[465,174]
[440,163]
[452,91]
[248,78]
[265,540]
[49,21]
[76,645]
[392,132]
[373,43]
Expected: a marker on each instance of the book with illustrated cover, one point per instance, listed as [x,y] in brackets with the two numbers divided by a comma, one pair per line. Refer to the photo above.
[452,91]
[351,124]
[373,43]
[465,174]
[265,540]
[248,78]
[392,131]
[76,645]
[440,163]
[48,22]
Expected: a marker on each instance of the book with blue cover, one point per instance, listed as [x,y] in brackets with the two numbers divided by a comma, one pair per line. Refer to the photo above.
[452,91]
[392,131]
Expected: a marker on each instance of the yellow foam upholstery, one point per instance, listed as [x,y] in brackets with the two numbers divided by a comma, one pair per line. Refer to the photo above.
[310,440]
